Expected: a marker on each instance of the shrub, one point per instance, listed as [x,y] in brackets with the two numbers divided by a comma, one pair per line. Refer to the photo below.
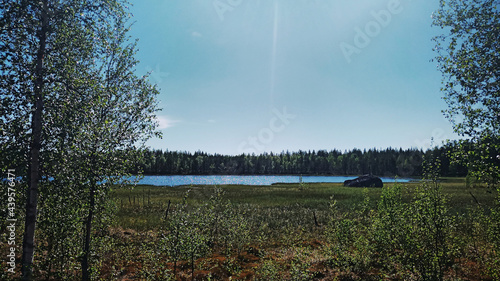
[431,231]
[268,271]
[391,230]
[186,236]
[350,246]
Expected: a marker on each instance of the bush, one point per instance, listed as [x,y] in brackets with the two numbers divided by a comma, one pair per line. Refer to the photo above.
[350,239]
[391,230]
[431,255]
[405,238]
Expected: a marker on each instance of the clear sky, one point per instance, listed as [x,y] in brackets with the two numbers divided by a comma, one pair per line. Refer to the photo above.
[258,76]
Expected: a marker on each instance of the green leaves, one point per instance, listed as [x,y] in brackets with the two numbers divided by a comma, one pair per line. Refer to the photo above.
[470,67]
[74,59]
[190,234]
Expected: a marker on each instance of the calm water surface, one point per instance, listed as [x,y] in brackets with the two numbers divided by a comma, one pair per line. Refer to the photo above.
[243,180]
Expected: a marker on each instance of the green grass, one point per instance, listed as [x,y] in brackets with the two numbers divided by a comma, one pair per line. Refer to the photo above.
[270,233]
[151,201]
[279,221]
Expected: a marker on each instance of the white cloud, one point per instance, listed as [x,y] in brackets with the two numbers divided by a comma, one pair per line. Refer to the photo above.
[196,34]
[211,121]
[165,122]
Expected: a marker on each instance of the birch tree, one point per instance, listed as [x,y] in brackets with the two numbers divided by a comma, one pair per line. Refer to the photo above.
[73,110]
[468,55]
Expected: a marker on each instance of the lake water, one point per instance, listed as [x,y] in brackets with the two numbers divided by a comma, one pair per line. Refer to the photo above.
[243,180]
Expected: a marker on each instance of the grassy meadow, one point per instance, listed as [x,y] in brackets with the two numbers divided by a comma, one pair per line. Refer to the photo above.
[323,231]
[142,207]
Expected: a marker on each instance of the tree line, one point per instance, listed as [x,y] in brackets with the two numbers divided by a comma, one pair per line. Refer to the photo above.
[382,162]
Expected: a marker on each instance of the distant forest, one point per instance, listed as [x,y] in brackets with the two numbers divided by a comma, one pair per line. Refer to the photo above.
[389,162]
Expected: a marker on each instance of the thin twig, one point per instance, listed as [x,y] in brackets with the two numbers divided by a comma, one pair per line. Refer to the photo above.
[475,199]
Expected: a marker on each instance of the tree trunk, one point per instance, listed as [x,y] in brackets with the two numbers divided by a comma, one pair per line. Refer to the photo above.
[192,266]
[315,219]
[34,163]
[166,212]
[86,250]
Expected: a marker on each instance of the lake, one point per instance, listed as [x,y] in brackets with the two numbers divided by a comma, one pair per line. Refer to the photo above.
[244,180]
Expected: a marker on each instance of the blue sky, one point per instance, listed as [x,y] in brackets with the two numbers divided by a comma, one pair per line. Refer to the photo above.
[259,76]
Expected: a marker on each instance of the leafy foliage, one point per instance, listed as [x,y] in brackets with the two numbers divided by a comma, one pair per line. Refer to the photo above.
[192,233]
[74,118]
[391,233]
[412,235]
[469,58]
